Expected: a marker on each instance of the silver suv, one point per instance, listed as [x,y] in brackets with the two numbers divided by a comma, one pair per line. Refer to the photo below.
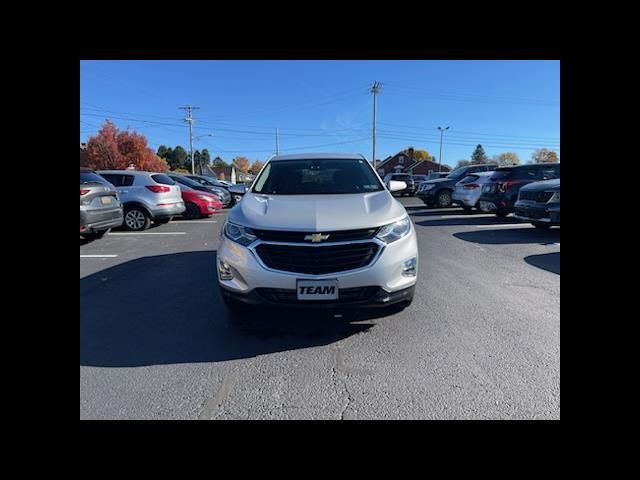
[146,197]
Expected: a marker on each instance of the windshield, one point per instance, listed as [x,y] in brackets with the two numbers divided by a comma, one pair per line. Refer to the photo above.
[458,173]
[314,177]
[186,181]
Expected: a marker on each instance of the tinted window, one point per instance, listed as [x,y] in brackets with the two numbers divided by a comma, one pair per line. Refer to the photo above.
[402,178]
[502,174]
[469,179]
[113,178]
[527,173]
[127,180]
[313,177]
[552,171]
[86,177]
[160,178]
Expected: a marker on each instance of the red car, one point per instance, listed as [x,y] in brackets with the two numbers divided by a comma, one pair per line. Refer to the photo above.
[199,204]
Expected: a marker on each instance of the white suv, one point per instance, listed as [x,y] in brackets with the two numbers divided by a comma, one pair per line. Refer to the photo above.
[318,230]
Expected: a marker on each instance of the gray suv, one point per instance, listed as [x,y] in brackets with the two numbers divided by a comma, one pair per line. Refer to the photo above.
[146,197]
[100,208]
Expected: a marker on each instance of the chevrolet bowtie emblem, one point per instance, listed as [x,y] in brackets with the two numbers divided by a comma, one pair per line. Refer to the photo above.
[316,237]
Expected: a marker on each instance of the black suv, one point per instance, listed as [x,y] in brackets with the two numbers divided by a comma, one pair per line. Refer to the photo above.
[501,192]
[437,193]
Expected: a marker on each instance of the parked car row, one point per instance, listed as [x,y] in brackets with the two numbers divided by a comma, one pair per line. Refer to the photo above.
[531,192]
[134,199]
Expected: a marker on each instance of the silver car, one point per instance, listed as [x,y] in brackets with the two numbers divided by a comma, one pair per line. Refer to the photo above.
[100,208]
[468,190]
[146,196]
[318,230]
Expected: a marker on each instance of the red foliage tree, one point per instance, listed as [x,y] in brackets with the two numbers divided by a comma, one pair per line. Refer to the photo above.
[111,149]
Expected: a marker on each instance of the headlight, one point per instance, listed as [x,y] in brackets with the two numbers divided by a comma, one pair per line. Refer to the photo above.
[555,198]
[395,231]
[238,233]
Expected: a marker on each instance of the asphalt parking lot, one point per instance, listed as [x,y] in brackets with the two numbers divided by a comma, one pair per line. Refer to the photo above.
[480,341]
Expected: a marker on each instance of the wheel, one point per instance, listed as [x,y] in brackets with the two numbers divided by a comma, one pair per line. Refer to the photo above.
[467,209]
[444,199]
[162,221]
[136,219]
[191,212]
[541,226]
[501,214]
[95,235]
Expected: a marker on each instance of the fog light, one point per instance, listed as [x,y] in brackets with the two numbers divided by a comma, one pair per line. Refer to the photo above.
[225,271]
[409,268]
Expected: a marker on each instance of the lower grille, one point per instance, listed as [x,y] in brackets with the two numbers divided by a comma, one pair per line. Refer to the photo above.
[289,296]
[540,197]
[317,260]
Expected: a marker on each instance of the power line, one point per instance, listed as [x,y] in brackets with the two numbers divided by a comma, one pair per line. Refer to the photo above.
[413,127]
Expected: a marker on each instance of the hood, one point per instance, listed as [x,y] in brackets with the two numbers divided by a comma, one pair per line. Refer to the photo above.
[544,185]
[440,180]
[317,213]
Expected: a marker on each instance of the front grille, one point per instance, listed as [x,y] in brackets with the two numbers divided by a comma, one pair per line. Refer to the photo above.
[298,237]
[540,197]
[533,213]
[345,295]
[317,260]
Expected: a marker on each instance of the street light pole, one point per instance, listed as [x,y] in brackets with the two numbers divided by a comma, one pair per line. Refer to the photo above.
[442,130]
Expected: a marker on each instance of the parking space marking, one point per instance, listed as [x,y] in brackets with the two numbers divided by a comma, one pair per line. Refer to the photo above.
[147,233]
[98,256]
[195,221]
[472,215]
[505,225]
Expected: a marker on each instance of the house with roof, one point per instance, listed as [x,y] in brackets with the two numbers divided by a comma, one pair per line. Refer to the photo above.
[404,162]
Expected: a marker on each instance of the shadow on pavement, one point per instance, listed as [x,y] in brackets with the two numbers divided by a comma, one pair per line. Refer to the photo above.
[546,261]
[167,309]
[504,236]
[468,220]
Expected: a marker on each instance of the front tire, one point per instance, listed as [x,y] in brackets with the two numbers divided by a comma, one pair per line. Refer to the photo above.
[192,211]
[136,219]
[501,214]
[443,200]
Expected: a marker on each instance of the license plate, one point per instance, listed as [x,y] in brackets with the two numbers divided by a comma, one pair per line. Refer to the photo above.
[317,289]
[487,206]
[105,200]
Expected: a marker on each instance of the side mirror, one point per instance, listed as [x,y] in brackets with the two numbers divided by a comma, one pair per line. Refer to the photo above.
[395,186]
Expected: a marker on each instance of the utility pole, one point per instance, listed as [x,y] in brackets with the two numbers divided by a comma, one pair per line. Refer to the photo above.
[277,143]
[442,130]
[189,120]
[375,89]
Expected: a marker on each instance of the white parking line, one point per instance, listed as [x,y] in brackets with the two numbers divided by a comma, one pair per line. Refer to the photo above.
[98,256]
[505,225]
[467,216]
[147,233]
[195,221]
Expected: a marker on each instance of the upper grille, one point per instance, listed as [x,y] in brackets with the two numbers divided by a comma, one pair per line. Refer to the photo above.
[298,237]
[317,260]
[540,197]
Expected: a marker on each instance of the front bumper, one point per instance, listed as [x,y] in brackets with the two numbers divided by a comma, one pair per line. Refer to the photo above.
[427,196]
[364,297]
[384,273]
[537,212]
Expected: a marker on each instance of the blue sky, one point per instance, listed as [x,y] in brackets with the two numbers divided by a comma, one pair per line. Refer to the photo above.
[324,106]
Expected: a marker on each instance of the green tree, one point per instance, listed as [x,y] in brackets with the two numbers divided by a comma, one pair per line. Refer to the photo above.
[177,157]
[206,158]
[162,152]
[219,163]
[479,156]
